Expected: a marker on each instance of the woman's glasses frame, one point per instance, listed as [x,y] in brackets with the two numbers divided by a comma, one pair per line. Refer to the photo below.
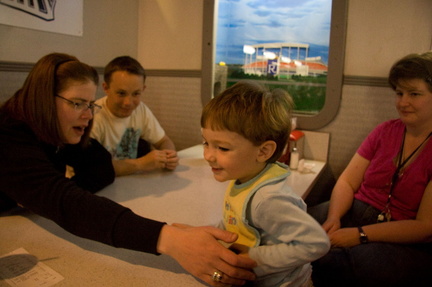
[82,107]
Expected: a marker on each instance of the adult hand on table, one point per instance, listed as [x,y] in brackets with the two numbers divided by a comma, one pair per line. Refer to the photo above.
[198,251]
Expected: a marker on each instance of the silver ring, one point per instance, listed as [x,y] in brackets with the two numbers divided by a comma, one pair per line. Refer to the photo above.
[217,276]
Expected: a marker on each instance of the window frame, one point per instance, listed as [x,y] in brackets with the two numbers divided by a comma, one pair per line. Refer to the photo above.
[336,60]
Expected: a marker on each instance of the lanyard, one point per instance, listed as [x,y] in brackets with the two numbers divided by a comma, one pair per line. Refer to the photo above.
[386,214]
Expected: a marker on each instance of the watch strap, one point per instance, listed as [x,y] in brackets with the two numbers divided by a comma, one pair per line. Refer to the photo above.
[363,236]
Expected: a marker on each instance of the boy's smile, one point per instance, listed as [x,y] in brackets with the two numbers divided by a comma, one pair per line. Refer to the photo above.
[124,93]
[231,156]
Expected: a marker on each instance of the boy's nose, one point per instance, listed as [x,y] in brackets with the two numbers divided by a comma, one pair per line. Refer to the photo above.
[208,155]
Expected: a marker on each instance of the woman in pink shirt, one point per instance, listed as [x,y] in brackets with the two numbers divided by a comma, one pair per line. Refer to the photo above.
[379,218]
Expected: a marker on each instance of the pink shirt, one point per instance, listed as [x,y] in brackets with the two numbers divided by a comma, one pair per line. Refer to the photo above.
[381,148]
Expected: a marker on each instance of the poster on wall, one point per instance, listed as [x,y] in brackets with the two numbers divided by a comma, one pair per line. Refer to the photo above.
[58,16]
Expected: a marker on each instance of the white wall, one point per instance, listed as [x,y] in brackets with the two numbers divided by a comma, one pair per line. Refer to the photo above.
[110,30]
[169,38]
[167,34]
[379,33]
[170,33]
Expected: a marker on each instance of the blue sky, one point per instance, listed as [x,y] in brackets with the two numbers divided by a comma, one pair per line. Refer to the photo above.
[248,22]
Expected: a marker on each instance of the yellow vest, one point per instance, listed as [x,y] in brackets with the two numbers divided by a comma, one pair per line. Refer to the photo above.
[236,202]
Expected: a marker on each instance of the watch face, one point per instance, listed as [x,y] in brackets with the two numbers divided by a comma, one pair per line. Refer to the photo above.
[363,236]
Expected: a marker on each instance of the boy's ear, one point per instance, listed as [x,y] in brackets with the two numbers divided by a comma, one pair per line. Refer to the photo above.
[266,151]
[105,86]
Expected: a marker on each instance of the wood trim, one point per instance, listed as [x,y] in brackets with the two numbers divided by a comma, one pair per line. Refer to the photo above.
[174,73]
[347,80]
[366,81]
[26,67]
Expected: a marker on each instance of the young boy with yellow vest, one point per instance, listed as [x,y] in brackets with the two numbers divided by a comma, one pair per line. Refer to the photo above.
[245,130]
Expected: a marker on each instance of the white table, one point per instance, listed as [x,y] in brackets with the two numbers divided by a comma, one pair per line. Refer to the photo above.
[189,195]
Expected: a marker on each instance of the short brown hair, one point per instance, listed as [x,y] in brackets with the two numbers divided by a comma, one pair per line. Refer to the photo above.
[123,63]
[254,112]
[34,103]
[412,66]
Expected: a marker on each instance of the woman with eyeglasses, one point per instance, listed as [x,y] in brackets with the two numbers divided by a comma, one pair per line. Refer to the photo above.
[50,166]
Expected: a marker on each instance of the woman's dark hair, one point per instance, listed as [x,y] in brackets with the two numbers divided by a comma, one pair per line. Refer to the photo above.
[413,66]
[35,102]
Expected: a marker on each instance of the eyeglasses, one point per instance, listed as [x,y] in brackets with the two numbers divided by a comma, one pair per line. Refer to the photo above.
[82,107]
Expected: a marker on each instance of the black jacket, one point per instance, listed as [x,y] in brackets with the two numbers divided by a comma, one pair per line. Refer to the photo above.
[33,174]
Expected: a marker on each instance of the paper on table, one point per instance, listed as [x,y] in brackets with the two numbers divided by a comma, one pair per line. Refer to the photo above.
[21,269]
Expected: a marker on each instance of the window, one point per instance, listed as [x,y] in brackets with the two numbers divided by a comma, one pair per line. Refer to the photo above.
[311,75]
